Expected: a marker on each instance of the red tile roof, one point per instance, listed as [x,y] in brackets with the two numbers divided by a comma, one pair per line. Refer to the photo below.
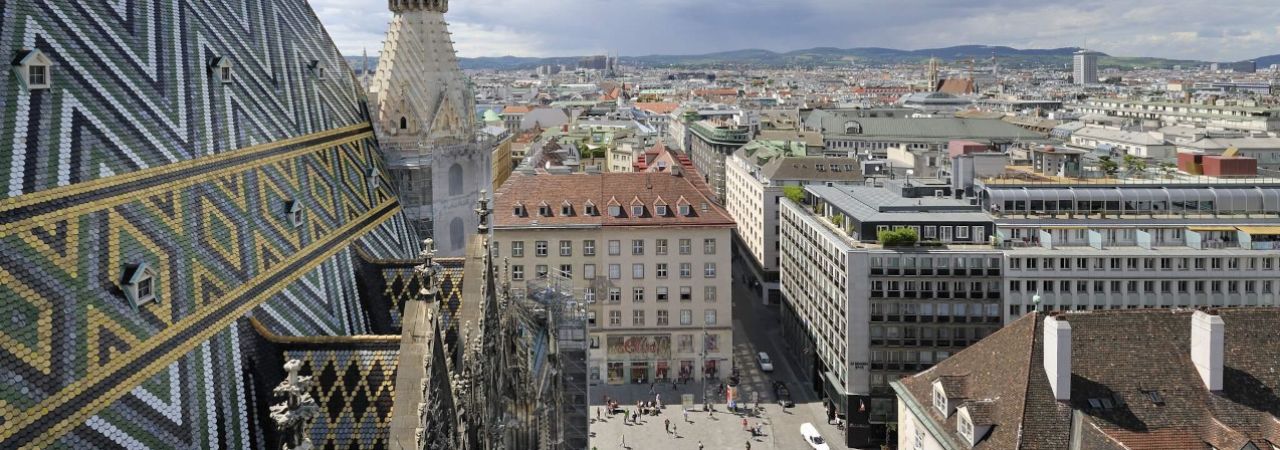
[517,109]
[602,190]
[658,108]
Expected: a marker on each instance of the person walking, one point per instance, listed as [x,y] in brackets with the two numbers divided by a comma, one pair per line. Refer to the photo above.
[686,416]
[748,445]
[666,424]
[673,431]
[744,424]
[699,445]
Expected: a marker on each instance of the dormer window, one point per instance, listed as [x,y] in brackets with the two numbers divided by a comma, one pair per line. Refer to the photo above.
[295,213]
[371,176]
[686,210]
[316,69]
[220,67]
[615,210]
[544,210]
[660,210]
[140,285]
[591,209]
[637,210]
[566,209]
[965,427]
[33,69]
[940,399]
[518,210]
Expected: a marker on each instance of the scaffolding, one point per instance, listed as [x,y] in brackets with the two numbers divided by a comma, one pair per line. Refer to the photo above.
[551,298]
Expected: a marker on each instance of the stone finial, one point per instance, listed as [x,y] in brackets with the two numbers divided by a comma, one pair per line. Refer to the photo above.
[293,417]
[482,210]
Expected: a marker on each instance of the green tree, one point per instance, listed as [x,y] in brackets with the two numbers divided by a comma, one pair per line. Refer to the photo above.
[1108,166]
[902,237]
[794,193]
[1134,164]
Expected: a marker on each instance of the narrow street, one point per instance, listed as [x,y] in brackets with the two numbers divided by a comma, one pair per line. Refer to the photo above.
[756,328]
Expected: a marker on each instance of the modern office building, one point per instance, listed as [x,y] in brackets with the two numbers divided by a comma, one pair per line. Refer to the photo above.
[1184,241]
[648,253]
[756,176]
[1111,380]
[1085,67]
[861,314]
[873,132]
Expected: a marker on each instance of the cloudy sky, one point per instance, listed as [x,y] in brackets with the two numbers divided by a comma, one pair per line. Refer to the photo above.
[1222,30]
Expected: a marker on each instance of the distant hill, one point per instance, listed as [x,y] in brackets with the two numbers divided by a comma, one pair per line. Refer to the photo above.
[1266,61]
[831,56]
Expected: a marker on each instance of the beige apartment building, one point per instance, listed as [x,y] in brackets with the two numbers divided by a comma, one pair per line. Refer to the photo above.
[648,254]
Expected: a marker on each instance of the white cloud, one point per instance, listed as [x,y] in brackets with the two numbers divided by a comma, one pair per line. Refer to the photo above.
[1190,29]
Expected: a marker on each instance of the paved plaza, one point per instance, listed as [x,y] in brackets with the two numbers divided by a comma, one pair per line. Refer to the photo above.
[720,429]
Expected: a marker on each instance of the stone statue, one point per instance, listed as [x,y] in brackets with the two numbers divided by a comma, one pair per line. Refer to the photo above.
[293,417]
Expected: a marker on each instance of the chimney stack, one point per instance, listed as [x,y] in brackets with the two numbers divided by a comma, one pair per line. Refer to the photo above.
[1207,338]
[1057,356]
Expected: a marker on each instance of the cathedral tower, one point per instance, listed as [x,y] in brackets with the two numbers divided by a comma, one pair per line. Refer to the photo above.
[425,120]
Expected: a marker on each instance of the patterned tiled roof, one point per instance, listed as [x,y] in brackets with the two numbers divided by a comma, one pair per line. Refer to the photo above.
[139,155]
[1135,363]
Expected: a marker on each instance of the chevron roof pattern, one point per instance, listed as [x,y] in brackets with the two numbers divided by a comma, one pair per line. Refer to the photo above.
[139,155]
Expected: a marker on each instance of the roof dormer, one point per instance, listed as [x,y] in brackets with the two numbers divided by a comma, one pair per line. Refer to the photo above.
[947,391]
[316,69]
[139,285]
[590,208]
[220,67]
[637,207]
[660,208]
[974,421]
[518,210]
[544,209]
[685,208]
[33,70]
[566,208]
[615,208]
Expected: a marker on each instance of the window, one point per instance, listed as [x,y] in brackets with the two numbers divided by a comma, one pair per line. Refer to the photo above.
[662,293]
[544,210]
[637,271]
[686,270]
[685,341]
[663,318]
[709,270]
[686,293]
[637,210]
[615,295]
[637,318]
[566,209]
[686,317]
[615,318]
[615,248]
[660,210]
[566,270]
[660,246]
[709,293]
[965,427]
[140,285]
[540,248]
[709,246]
[589,294]
[591,210]
[615,271]
[637,294]
[294,209]
[686,246]
[939,399]
[930,232]
[615,210]
[637,246]
[661,271]
[686,210]
[962,233]
[709,317]
[540,270]
[588,271]
[589,247]
[566,248]
[517,272]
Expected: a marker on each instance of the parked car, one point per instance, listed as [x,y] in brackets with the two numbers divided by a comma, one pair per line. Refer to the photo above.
[766,364]
[811,437]
[783,394]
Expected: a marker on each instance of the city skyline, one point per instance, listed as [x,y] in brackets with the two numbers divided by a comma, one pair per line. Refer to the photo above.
[556,27]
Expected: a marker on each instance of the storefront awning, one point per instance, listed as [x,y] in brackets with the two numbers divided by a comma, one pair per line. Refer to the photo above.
[835,391]
[1261,230]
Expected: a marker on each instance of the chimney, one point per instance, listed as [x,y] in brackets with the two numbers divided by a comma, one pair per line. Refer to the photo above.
[1057,356]
[1207,349]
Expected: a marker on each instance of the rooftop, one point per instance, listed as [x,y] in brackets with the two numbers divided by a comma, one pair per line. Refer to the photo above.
[602,190]
[1133,384]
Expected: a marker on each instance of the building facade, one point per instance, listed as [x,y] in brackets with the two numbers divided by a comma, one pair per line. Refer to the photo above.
[648,253]
[862,314]
[710,143]
[423,111]
[1085,67]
